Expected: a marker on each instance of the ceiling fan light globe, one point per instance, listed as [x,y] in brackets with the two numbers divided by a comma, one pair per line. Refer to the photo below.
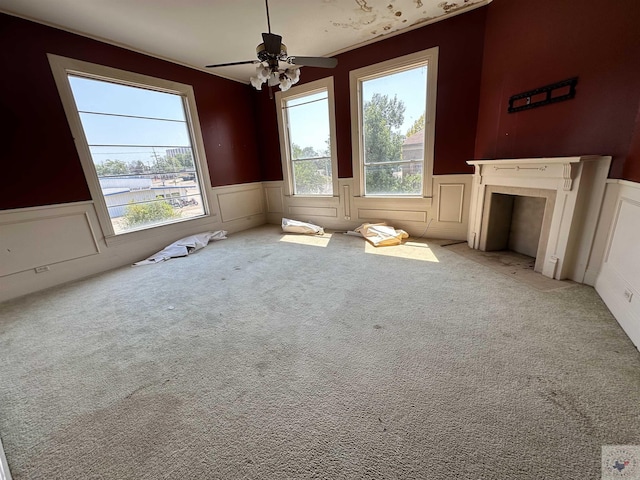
[257,83]
[262,73]
[293,74]
[274,79]
[285,84]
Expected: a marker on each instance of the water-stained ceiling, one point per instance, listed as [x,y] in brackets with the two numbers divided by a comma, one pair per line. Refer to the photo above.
[198,32]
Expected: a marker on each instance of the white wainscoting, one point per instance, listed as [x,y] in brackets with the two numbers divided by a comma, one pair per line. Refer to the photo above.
[618,281]
[45,237]
[239,202]
[446,215]
[68,240]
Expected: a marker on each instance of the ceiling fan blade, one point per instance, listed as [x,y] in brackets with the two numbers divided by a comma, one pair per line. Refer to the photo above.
[314,62]
[272,43]
[232,63]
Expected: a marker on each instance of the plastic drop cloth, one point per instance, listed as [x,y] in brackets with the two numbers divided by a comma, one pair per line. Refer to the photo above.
[381,234]
[294,226]
[184,247]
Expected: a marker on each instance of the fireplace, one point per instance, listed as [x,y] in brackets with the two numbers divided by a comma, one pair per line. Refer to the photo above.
[545,208]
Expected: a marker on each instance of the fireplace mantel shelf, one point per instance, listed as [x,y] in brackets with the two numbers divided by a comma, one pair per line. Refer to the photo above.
[549,160]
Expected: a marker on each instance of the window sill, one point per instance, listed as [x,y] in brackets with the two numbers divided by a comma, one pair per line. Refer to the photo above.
[184,228]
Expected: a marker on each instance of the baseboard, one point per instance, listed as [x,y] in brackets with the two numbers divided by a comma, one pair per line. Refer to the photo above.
[5,474]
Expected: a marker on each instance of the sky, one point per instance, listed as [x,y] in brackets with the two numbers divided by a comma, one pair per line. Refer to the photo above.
[309,123]
[410,86]
[164,125]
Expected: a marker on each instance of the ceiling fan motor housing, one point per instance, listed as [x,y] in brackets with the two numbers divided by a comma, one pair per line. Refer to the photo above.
[265,56]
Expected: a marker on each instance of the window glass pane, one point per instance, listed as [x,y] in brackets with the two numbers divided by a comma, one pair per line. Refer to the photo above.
[99,96]
[101,129]
[313,177]
[393,132]
[145,166]
[310,144]
[153,159]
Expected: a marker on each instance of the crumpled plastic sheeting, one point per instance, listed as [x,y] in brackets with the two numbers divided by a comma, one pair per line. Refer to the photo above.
[184,247]
[294,226]
[381,234]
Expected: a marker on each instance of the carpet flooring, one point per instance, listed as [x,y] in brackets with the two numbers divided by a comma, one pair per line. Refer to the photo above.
[271,356]
[515,265]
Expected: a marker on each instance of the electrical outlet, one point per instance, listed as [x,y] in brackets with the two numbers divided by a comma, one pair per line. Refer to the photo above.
[44,268]
[628,294]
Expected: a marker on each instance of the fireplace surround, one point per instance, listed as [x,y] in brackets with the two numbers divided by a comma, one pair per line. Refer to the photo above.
[572,189]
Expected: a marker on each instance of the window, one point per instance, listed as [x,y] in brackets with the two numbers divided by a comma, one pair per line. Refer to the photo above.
[306,138]
[393,118]
[135,136]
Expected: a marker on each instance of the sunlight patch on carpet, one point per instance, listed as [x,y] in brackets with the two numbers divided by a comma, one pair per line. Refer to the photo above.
[313,240]
[411,250]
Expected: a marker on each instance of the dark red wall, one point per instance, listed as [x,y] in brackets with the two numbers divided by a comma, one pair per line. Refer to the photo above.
[511,46]
[460,39]
[533,43]
[40,165]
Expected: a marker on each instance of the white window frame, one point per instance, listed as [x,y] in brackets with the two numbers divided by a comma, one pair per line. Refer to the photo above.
[285,154]
[61,68]
[356,77]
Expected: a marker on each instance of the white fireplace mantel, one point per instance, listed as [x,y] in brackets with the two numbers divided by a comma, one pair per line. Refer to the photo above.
[578,183]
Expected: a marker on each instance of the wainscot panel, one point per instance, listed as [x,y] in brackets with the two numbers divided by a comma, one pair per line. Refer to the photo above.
[240,201]
[618,282]
[30,239]
[446,215]
[76,225]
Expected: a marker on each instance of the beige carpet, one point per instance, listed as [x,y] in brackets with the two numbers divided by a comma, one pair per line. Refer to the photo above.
[512,264]
[267,356]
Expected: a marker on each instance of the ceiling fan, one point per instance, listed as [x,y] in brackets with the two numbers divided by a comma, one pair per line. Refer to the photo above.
[270,53]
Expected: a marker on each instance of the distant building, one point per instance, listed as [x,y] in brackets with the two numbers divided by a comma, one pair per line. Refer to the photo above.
[120,192]
[413,149]
[173,152]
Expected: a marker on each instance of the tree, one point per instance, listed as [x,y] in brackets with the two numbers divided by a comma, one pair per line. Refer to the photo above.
[185,160]
[165,164]
[137,214]
[311,176]
[417,126]
[111,167]
[137,167]
[383,118]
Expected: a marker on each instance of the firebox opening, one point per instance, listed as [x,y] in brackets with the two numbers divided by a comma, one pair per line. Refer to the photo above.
[515,223]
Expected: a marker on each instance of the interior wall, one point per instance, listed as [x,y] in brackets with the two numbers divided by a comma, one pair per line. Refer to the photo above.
[618,282]
[460,39]
[39,159]
[48,245]
[532,43]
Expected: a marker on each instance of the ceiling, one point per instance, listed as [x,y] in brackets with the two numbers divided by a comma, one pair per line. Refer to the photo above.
[200,32]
